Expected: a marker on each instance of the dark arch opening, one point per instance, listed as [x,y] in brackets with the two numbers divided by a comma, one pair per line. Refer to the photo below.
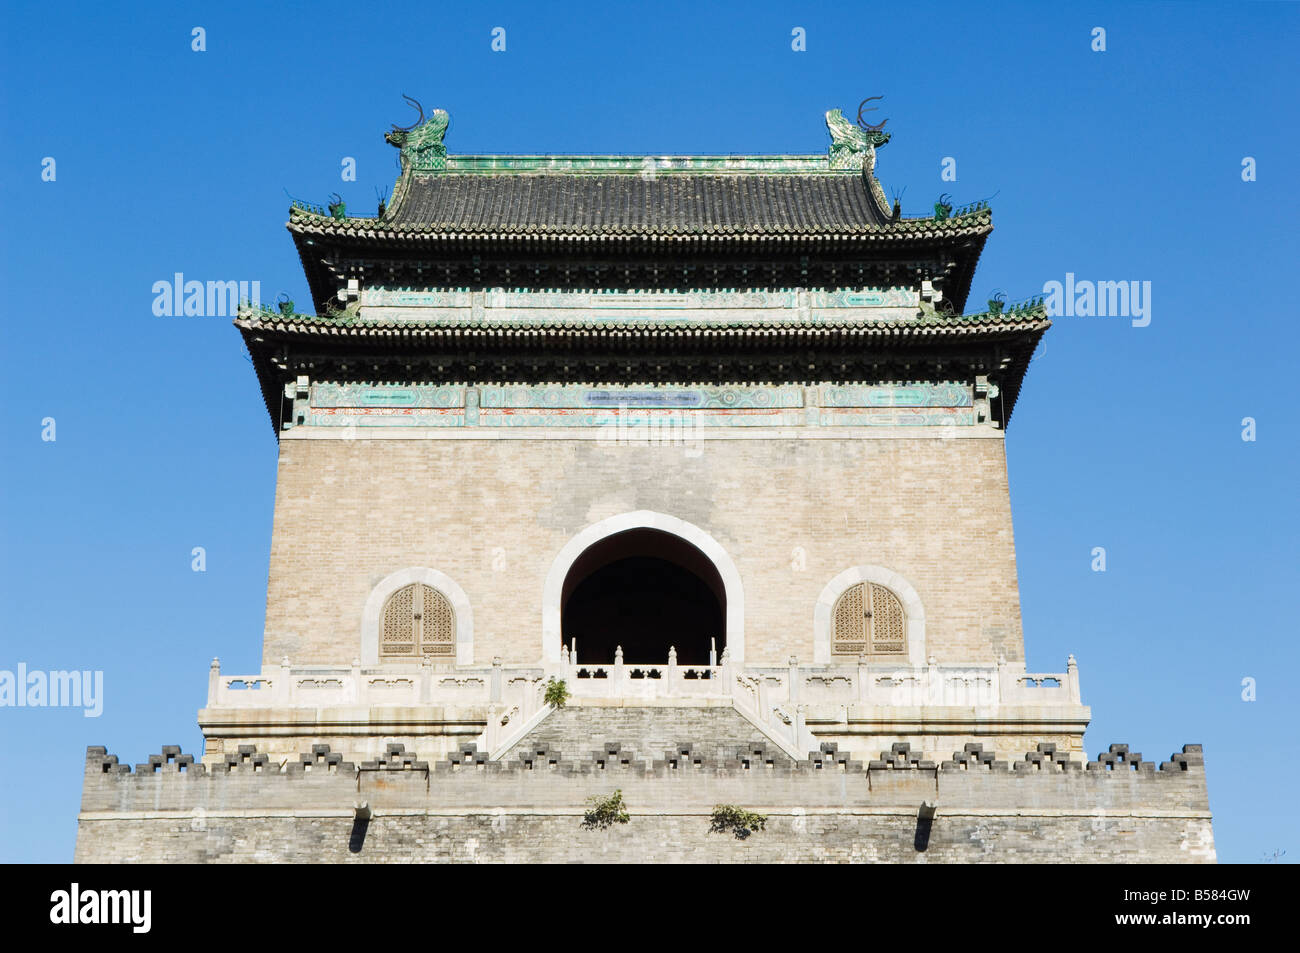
[645,590]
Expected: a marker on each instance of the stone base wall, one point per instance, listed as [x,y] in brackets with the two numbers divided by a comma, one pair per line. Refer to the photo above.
[899,808]
[514,838]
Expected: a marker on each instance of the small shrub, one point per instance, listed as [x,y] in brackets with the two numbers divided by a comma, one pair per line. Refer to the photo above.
[737,820]
[557,693]
[605,811]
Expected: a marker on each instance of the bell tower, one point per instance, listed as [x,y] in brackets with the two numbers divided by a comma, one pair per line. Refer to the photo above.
[698,461]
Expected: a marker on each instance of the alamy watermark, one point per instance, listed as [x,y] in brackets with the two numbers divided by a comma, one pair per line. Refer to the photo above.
[200,299]
[131,907]
[56,689]
[1101,299]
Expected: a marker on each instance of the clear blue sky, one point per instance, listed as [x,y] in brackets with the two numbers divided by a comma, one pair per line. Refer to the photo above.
[1117,165]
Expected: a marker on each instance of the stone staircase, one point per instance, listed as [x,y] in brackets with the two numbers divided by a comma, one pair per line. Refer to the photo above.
[647,733]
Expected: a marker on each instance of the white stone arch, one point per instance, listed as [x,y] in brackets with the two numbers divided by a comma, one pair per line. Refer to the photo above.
[913,611]
[553,591]
[374,610]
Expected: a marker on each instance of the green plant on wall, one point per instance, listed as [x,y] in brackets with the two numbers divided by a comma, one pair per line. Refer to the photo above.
[604,811]
[557,693]
[737,820]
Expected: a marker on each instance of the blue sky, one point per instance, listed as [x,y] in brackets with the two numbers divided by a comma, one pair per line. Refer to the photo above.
[1116,165]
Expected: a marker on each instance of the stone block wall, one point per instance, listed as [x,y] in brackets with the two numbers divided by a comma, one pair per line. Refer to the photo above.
[492,512]
[897,808]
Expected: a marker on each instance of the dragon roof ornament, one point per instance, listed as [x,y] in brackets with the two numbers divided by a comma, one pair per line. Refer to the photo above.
[854,146]
[421,142]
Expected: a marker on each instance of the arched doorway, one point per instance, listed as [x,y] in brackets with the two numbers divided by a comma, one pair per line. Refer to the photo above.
[645,590]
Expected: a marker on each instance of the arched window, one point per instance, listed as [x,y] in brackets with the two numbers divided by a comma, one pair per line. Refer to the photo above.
[868,620]
[418,621]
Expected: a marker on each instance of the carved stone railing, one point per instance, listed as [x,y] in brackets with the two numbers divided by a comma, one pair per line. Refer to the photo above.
[871,683]
[407,686]
[623,680]
[773,698]
[758,686]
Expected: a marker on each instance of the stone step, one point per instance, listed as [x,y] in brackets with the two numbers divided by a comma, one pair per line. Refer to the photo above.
[648,733]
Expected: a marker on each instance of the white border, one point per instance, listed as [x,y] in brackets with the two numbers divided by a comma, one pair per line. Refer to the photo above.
[370,615]
[913,612]
[553,591]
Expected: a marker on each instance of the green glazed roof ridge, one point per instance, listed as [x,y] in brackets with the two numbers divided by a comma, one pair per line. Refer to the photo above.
[1028,313]
[300,212]
[636,164]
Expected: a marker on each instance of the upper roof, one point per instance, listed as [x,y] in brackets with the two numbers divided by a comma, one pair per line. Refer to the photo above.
[602,203]
[832,196]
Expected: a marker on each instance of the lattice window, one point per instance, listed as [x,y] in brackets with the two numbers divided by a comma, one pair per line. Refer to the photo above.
[418,621]
[869,620]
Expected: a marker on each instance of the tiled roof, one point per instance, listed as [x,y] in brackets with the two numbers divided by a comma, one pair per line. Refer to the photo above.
[619,206]
[1032,317]
[663,205]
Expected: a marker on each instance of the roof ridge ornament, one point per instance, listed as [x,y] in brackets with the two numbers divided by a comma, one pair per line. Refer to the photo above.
[421,143]
[854,146]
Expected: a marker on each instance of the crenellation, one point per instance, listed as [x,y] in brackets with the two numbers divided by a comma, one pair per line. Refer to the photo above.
[468,754]
[538,811]
[248,758]
[829,757]
[1047,758]
[538,755]
[757,762]
[320,758]
[900,757]
[396,759]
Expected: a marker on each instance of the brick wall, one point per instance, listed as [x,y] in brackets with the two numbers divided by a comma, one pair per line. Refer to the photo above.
[494,513]
[1116,810]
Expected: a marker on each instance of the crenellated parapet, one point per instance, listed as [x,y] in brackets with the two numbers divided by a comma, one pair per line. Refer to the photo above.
[757,760]
[529,806]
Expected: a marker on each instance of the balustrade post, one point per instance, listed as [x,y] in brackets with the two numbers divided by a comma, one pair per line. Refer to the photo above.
[529,702]
[618,674]
[671,688]
[425,685]
[359,693]
[1072,675]
[282,691]
[862,680]
[794,681]
[214,682]
[494,690]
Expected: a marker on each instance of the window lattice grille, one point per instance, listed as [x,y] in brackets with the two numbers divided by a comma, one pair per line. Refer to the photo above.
[438,624]
[868,620]
[850,618]
[887,637]
[418,621]
[399,623]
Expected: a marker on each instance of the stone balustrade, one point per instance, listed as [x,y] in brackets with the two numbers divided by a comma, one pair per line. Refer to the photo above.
[760,688]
